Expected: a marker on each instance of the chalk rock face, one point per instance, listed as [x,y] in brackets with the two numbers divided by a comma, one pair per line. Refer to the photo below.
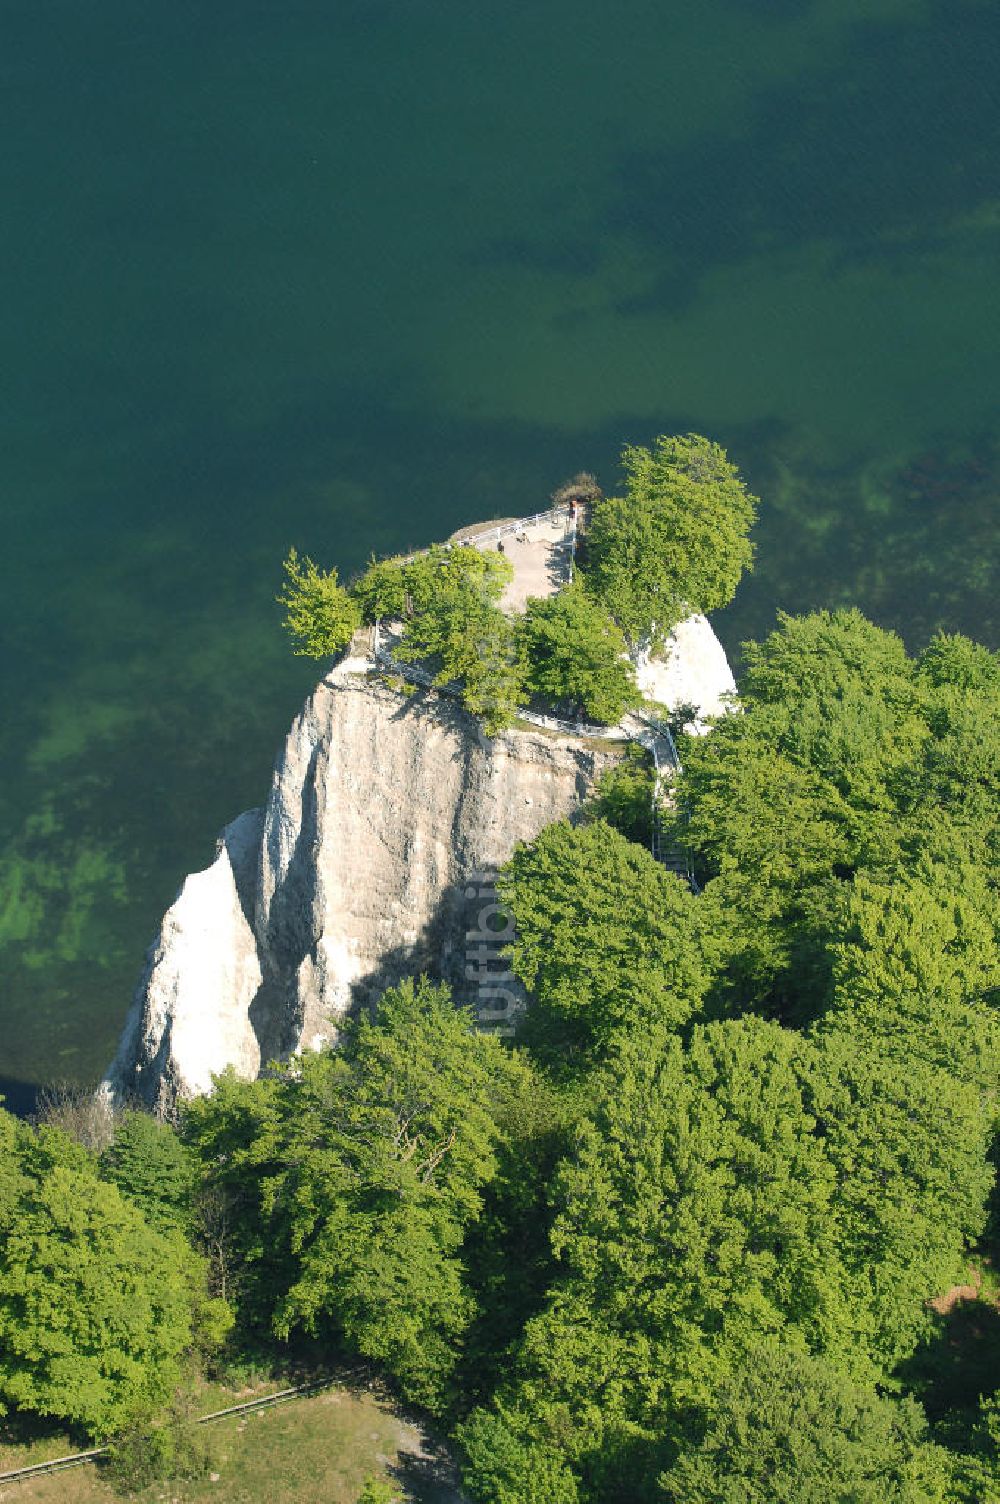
[692,670]
[365,867]
[371,862]
[190,1015]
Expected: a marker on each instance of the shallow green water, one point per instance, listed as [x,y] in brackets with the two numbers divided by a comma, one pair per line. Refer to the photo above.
[349,275]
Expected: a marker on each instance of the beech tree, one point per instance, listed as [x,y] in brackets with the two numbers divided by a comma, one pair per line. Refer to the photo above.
[98,1311]
[677,542]
[446,571]
[909,1144]
[394,588]
[320,615]
[152,1169]
[784,1428]
[473,644]
[772,846]
[501,1466]
[624,795]
[693,1214]
[847,758]
[576,656]
[909,953]
[458,630]
[605,939]
[364,1165]
[751,1185]
[381,592]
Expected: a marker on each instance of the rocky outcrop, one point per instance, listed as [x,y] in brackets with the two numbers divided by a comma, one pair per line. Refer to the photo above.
[386,808]
[191,1012]
[364,867]
[692,671]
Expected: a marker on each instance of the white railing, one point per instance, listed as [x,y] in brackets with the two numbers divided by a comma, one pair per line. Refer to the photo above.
[548,722]
[575,728]
[661,730]
[494,534]
[674,858]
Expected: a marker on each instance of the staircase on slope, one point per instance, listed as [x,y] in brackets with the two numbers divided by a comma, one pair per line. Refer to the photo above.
[665,847]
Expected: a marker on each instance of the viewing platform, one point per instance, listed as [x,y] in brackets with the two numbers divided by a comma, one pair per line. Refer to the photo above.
[540,549]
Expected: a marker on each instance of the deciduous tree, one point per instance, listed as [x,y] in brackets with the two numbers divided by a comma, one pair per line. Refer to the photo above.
[320,615]
[98,1311]
[381,593]
[366,1167]
[576,655]
[468,640]
[605,939]
[153,1169]
[784,1428]
[677,542]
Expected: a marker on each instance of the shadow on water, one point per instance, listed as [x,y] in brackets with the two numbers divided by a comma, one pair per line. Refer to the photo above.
[19,1097]
[860,152]
[911,541]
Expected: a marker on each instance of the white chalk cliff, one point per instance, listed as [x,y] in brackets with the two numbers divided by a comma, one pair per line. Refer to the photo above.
[362,869]
[693,670]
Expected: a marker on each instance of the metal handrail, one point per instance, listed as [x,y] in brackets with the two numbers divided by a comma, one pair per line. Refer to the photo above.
[547,722]
[76,1459]
[501,530]
[661,730]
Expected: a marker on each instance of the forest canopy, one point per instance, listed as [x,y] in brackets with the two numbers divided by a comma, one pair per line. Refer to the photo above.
[699,1231]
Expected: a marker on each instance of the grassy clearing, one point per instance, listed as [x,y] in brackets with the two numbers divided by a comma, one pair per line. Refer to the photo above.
[317,1450]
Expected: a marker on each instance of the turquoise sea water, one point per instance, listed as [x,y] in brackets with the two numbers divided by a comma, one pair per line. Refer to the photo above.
[347,276]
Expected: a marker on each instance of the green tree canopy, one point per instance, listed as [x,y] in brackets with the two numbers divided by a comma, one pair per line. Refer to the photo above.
[507,1250]
[847,757]
[381,593]
[152,1168]
[624,795]
[750,1186]
[459,629]
[693,1215]
[788,1429]
[98,1311]
[910,1149]
[446,570]
[366,1164]
[501,1467]
[396,588]
[953,660]
[606,939]
[908,955]
[771,842]
[678,540]
[576,655]
[320,615]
